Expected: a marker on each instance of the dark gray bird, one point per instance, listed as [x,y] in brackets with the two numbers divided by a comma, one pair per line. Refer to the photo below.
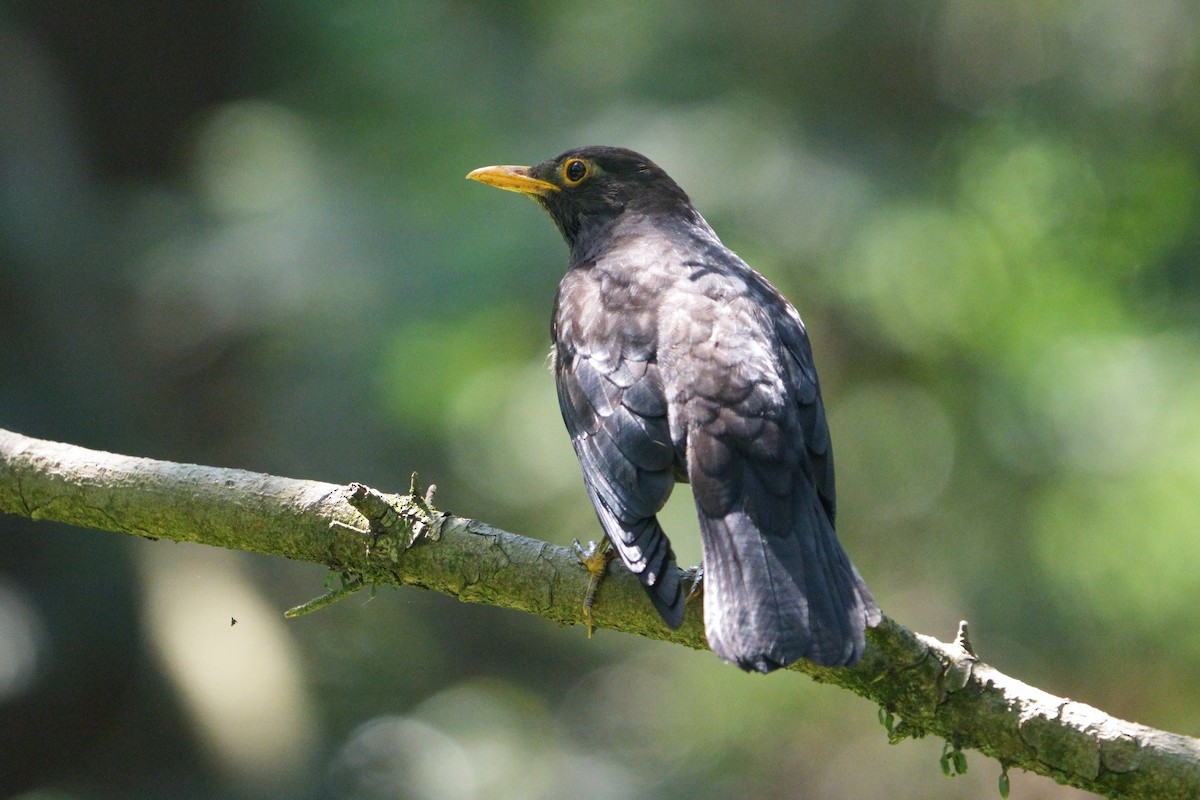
[675,361]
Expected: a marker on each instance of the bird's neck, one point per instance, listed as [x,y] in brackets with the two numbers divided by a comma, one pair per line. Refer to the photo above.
[590,241]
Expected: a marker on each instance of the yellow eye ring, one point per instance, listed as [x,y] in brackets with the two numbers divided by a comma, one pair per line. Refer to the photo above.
[574,171]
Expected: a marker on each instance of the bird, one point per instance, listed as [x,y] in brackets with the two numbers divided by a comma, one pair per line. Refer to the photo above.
[675,362]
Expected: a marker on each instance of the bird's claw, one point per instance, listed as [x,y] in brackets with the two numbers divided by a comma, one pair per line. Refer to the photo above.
[595,558]
[696,574]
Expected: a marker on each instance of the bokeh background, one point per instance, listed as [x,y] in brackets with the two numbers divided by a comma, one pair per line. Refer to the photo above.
[237,233]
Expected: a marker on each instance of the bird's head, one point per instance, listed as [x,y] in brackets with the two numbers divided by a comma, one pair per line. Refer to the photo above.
[587,189]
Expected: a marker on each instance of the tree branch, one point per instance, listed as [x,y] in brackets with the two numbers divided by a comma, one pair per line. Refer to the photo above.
[931,686]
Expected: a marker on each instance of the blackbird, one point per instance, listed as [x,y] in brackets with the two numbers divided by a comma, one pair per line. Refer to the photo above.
[675,361]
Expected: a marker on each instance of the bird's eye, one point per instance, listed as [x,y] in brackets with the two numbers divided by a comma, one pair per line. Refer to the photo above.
[575,170]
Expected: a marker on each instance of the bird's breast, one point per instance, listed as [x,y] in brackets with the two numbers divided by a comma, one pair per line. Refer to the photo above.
[610,310]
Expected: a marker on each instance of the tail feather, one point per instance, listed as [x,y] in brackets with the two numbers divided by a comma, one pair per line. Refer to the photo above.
[774,597]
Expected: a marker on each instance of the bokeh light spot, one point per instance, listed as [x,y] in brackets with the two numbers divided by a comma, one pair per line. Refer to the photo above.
[22,639]
[254,157]
[894,444]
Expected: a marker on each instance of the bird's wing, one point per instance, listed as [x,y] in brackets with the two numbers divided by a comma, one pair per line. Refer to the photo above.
[611,397]
[778,586]
[800,375]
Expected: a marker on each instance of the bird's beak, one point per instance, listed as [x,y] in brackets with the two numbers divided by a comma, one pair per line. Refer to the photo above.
[514,179]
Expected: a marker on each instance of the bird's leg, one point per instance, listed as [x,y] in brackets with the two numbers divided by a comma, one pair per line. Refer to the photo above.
[696,574]
[595,558]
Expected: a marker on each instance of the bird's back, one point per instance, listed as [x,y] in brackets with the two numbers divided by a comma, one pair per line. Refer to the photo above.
[746,405]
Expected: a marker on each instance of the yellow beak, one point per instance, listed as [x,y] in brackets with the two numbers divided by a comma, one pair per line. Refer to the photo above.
[513,179]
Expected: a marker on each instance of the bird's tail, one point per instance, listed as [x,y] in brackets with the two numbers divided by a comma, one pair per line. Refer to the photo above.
[771,598]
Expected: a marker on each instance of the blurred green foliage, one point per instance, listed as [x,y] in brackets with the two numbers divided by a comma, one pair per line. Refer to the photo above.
[237,233]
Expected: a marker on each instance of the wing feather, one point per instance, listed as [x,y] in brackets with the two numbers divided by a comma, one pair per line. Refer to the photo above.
[614,411]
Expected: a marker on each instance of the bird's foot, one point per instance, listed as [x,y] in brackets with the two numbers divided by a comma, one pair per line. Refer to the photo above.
[696,575]
[595,558]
